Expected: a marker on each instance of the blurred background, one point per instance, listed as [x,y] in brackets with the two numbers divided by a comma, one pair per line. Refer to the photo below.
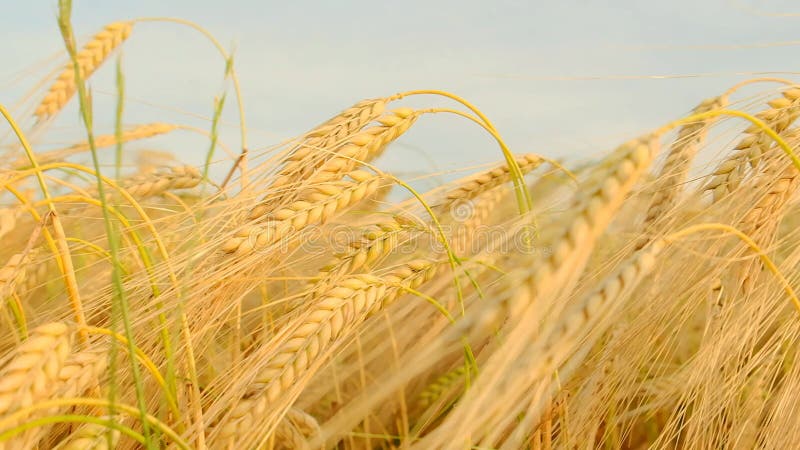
[568,79]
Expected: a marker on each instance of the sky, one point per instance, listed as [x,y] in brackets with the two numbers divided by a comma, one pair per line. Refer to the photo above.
[568,79]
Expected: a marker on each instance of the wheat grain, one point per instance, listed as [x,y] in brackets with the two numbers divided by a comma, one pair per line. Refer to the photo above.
[89,58]
[80,373]
[318,204]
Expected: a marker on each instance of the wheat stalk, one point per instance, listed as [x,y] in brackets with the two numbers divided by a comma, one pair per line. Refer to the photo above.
[728,175]
[89,58]
[318,204]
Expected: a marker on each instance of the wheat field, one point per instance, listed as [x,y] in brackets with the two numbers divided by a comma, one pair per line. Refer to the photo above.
[310,298]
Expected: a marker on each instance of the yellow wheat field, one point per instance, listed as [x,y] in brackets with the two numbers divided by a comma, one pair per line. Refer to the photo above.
[644,300]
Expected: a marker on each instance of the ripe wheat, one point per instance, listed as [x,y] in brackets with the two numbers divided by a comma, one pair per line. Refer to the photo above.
[89,58]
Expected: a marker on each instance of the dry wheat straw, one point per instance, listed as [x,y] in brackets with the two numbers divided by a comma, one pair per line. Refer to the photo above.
[89,58]
[337,311]
[91,436]
[673,173]
[317,205]
[729,174]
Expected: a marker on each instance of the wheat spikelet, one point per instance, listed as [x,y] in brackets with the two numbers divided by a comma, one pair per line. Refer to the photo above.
[152,184]
[89,58]
[333,163]
[30,374]
[318,204]
[676,165]
[728,175]
[338,310]
[91,436]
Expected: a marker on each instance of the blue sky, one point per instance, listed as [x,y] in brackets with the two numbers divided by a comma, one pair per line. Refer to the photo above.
[561,78]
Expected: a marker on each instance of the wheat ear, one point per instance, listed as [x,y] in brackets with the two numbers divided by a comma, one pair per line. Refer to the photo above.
[12,274]
[152,184]
[482,182]
[325,165]
[340,309]
[570,251]
[318,204]
[80,372]
[782,112]
[8,220]
[89,58]
[375,243]
[31,373]
[91,436]
[335,131]
[673,173]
